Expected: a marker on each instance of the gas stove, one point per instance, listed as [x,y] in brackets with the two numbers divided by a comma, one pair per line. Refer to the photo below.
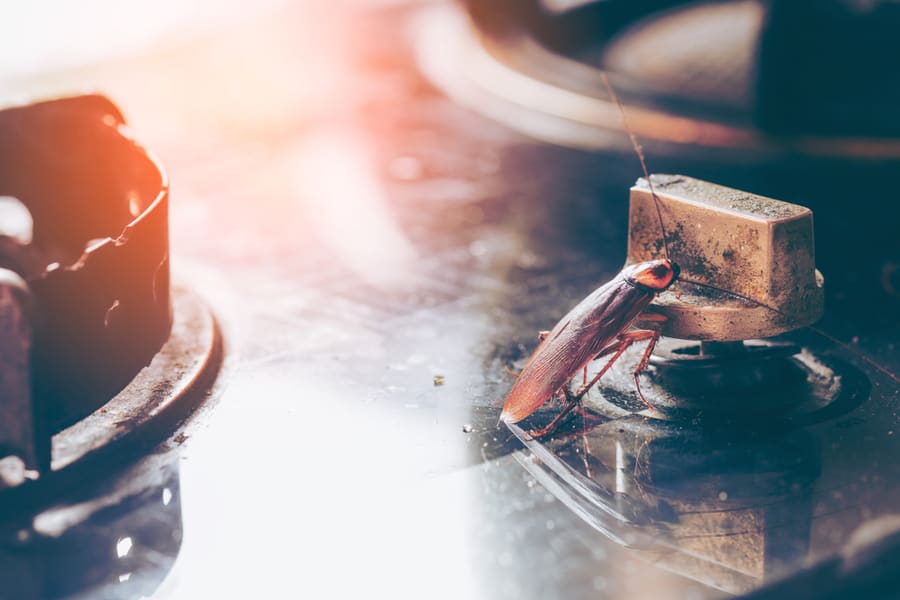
[358,216]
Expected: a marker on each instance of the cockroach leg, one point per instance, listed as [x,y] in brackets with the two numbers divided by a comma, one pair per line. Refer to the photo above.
[645,361]
[617,349]
[571,402]
[625,340]
[614,347]
[510,372]
[651,317]
[640,471]
[658,321]
[560,398]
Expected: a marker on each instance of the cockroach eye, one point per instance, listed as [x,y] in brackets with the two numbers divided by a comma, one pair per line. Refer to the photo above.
[656,275]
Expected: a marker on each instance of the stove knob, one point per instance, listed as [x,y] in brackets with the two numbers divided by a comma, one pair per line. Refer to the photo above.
[757,248]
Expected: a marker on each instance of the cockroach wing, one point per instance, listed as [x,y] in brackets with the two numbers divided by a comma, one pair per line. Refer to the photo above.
[587,329]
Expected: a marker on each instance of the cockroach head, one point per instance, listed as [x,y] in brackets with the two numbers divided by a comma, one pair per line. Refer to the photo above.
[653,275]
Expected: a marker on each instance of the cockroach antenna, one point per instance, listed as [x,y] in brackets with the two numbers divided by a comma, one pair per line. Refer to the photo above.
[600,326]
[640,154]
[656,202]
[817,330]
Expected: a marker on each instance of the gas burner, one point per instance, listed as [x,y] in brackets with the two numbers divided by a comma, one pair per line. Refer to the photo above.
[388,253]
[102,359]
[710,79]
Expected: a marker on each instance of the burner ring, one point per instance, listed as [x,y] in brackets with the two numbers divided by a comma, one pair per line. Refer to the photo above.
[98,265]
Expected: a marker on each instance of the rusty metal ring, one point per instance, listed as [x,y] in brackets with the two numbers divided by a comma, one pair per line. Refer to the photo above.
[98,263]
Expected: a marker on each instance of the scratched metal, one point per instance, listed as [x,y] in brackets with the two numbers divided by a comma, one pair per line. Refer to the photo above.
[377,256]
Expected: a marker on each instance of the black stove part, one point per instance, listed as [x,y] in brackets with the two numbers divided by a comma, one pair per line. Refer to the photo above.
[119,541]
[155,406]
[829,68]
[101,362]
[98,264]
[23,433]
[508,233]
[704,75]
[566,26]
[867,567]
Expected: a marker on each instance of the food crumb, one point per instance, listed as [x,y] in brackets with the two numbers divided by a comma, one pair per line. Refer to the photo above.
[439,380]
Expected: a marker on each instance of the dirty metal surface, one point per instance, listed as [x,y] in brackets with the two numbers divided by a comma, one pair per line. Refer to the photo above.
[758,248]
[22,434]
[147,411]
[378,256]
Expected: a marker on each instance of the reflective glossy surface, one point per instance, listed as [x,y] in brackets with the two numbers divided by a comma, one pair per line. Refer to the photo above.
[377,256]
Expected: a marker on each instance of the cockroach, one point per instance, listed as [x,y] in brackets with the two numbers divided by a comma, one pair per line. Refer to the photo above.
[600,326]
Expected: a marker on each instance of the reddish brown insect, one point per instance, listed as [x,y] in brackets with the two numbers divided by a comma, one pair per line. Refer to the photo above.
[595,328]
[599,326]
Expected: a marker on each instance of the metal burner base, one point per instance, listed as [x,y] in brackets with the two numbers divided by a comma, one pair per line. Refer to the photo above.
[148,411]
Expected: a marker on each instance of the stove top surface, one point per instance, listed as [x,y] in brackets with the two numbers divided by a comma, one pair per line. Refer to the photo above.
[377,255]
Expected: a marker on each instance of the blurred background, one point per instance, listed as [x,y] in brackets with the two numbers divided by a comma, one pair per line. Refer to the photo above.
[381,203]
